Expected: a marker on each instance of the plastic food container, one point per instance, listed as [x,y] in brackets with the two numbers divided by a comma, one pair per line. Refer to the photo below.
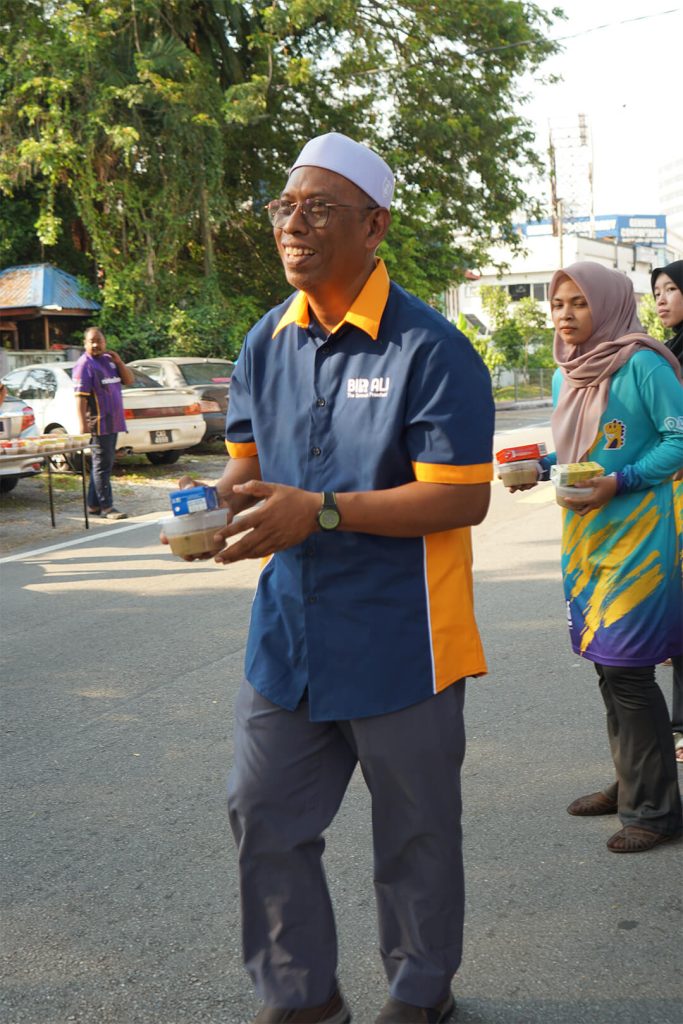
[513,474]
[574,472]
[563,491]
[193,534]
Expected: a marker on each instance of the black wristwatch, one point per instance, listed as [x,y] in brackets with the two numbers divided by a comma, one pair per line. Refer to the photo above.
[329,517]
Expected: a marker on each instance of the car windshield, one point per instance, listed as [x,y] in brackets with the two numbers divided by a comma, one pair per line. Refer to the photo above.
[141,380]
[219,372]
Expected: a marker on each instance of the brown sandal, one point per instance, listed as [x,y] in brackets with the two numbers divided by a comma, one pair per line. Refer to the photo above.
[593,803]
[633,839]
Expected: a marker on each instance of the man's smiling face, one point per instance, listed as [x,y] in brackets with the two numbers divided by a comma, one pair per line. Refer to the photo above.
[332,256]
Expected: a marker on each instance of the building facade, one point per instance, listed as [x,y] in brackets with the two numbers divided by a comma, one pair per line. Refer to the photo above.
[633,245]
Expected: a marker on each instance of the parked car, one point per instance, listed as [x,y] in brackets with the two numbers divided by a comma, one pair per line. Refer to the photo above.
[209,378]
[16,421]
[162,422]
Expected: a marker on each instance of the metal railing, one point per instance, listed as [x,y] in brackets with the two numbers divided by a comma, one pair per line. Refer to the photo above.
[517,385]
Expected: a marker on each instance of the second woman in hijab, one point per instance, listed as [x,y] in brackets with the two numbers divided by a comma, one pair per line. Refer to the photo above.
[667,288]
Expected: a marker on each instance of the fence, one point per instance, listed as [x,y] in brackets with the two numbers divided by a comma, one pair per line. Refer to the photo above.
[514,385]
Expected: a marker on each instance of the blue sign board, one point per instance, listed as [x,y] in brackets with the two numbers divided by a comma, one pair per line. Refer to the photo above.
[634,229]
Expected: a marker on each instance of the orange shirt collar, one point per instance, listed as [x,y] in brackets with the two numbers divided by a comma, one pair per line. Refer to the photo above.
[365,311]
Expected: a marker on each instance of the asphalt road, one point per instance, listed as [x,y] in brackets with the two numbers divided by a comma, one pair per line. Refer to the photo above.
[119,890]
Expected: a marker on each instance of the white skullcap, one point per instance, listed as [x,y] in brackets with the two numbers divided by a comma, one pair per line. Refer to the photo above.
[358,163]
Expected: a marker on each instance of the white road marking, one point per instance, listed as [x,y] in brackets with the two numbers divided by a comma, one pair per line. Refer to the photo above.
[101,536]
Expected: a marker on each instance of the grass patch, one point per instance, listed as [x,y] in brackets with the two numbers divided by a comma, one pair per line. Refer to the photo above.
[510,393]
[63,482]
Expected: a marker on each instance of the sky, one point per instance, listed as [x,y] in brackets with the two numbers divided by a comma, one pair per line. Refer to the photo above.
[626,78]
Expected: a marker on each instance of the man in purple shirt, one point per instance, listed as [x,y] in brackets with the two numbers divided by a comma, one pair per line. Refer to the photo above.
[98,376]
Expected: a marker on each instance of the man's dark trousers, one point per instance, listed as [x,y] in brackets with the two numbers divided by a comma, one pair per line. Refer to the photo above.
[287,782]
[102,454]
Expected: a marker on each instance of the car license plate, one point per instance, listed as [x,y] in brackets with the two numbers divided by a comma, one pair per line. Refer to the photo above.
[161,436]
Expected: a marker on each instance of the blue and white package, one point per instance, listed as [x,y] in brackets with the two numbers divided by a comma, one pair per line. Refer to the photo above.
[193,499]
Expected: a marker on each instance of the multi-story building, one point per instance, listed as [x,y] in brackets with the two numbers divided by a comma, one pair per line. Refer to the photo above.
[632,244]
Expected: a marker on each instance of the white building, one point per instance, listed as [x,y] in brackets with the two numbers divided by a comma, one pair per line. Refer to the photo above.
[671,202]
[528,274]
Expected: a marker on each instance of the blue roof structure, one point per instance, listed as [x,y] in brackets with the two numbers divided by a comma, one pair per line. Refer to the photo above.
[43,287]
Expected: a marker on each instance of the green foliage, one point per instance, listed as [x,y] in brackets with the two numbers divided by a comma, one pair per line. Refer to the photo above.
[520,332]
[647,314]
[213,325]
[140,139]
[537,337]
[495,301]
[541,356]
[483,345]
[509,341]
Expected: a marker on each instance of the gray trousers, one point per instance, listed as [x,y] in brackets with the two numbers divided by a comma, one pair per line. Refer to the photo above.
[287,782]
[677,698]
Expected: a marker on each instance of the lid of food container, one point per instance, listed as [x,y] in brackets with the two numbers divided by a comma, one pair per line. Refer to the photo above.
[572,491]
[511,467]
[214,519]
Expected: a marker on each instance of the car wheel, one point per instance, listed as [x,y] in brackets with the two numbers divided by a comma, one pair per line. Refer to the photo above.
[163,458]
[8,483]
[61,462]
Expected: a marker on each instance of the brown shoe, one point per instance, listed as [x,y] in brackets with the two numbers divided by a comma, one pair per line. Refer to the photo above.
[395,1011]
[634,839]
[593,803]
[334,1011]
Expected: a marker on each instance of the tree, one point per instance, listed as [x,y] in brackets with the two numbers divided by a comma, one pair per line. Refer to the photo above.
[495,301]
[531,322]
[483,345]
[167,124]
[520,331]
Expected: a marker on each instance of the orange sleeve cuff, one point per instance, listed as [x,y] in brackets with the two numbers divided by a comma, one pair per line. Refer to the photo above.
[241,451]
[436,473]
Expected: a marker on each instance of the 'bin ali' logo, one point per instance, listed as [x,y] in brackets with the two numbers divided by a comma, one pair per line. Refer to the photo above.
[615,434]
[367,387]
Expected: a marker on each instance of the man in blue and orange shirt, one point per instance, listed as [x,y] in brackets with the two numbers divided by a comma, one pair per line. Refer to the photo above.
[361,422]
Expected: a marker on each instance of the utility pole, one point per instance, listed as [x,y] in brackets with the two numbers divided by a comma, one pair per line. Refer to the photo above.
[555,201]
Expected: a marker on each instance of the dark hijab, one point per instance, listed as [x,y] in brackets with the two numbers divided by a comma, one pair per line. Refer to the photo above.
[675,272]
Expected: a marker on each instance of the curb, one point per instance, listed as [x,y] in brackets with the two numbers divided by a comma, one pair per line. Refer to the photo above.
[527,403]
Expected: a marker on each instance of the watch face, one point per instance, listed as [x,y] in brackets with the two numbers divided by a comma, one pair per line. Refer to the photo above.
[329,518]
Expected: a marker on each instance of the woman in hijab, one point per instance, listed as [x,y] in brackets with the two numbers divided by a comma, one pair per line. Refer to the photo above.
[619,402]
[667,288]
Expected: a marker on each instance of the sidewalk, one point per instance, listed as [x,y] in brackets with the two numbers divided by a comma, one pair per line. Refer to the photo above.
[525,403]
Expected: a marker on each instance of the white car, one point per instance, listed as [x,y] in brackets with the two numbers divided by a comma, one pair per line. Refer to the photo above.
[162,422]
[16,421]
[209,379]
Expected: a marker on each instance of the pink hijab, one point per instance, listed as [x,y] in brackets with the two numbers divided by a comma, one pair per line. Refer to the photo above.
[587,368]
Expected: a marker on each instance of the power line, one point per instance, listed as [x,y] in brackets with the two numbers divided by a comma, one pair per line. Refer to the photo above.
[625,21]
[584,32]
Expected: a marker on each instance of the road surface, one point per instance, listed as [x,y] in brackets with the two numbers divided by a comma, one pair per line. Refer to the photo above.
[120,896]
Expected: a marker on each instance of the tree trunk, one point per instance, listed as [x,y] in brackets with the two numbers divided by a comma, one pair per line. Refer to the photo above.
[207,237]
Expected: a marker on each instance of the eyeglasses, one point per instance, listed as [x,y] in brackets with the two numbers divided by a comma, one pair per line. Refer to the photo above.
[315,212]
